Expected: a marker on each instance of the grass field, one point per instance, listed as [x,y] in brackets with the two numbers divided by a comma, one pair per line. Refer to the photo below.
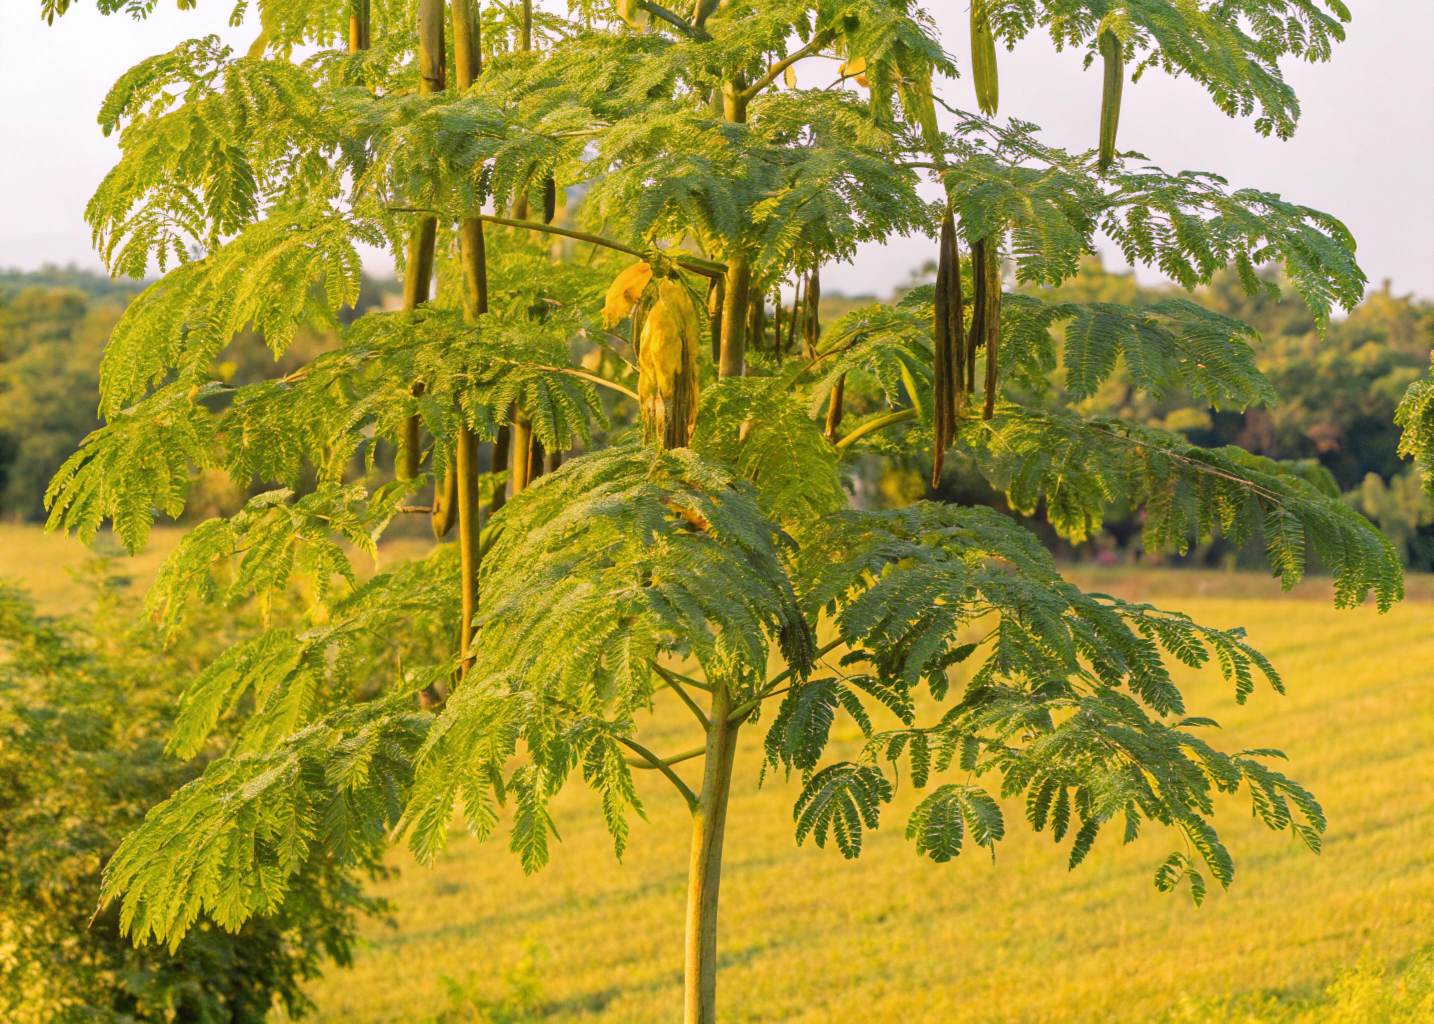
[809,937]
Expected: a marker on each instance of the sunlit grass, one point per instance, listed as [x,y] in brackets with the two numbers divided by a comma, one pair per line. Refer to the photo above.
[807,936]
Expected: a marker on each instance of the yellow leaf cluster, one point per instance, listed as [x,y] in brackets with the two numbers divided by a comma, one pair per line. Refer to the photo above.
[667,367]
[624,292]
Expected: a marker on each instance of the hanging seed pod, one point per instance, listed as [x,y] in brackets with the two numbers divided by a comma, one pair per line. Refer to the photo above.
[667,367]
[756,320]
[920,106]
[550,199]
[813,323]
[1113,53]
[983,59]
[943,413]
[986,313]
[624,292]
[834,409]
[956,325]
[777,325]
[716,296]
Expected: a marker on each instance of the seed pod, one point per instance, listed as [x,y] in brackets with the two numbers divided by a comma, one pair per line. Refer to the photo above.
[986,313]
[813,323]
[948,355]
[550,199]
[920,106]
[667,367]
[1113,52]
[956,321]
[624,292]
[983,59]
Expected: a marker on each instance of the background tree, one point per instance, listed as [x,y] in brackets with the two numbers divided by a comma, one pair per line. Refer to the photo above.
[716,534]
[85,705]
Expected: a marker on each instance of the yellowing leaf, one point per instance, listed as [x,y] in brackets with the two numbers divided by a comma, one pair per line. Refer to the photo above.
[790,76]
[624,292]
[631,12]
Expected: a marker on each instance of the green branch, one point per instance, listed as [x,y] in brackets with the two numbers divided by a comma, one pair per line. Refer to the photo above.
[872,426]
[686,755]
[678,689]
[707,268]
[654,761]
[815,46]
[741,711]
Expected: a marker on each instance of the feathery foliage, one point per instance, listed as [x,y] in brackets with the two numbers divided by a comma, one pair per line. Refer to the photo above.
[484,678]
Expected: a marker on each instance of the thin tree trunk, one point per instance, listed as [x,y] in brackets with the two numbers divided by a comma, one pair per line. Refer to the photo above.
[418,275]
[704,878]
[468,65]
[734,316]
[360,37]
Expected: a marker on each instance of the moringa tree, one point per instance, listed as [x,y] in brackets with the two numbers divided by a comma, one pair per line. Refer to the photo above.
[705,522]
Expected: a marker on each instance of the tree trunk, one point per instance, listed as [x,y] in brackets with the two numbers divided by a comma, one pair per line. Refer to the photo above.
[359,21]
[418,274]
[704,877]
[734,316]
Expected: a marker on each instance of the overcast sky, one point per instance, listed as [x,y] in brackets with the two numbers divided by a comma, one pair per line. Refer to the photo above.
[1364,151]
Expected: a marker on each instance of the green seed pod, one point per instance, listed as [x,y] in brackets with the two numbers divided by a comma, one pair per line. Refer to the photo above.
[983,59]
[1113,52]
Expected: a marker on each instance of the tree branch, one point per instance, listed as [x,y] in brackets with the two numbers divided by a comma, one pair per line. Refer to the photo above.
[657,762]
[741,711]
[686,755]
[678,689]
[595,379]
[818,41]
[658,11]
[872,426]
[707,268]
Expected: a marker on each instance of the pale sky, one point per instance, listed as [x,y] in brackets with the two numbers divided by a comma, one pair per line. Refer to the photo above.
[1364,151]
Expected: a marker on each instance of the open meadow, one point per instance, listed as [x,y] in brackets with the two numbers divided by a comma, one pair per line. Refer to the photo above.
[807,936]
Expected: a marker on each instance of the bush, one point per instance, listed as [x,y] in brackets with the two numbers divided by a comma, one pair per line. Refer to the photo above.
[84,709]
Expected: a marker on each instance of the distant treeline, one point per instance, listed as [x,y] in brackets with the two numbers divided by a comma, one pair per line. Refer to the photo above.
[1338,393]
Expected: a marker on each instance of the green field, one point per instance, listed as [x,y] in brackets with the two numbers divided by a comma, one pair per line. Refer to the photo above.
[809,937]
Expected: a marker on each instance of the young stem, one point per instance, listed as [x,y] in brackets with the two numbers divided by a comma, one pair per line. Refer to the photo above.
[709,823]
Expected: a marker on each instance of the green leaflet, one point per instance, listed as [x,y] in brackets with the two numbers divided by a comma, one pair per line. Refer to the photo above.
[766,434]
[1187,492]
